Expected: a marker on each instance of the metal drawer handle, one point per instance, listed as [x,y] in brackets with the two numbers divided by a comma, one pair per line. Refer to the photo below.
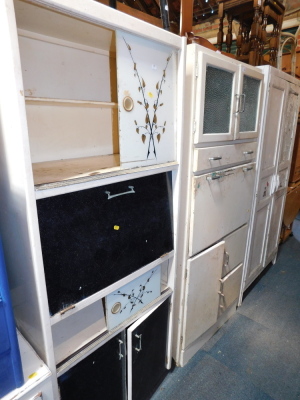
[248,152]
[140,344]
[246,169]
[243,96]
[215,158]
[110,196]
[213,177]
[120,349]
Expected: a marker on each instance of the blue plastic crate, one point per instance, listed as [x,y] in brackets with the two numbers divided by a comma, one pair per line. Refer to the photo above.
[11,375]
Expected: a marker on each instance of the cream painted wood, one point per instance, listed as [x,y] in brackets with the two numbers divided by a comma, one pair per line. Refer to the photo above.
[202,297]
[147,82]
[71,334]
[255,75]
[205,60]
[230,287]
[235,246]
[221,203]
[220,156]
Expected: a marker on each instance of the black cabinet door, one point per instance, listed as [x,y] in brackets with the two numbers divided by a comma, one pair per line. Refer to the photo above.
[90,241]
[149,341]
[101,375]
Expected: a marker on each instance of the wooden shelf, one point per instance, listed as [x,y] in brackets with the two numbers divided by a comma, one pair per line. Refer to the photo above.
[68,102]
[62,170]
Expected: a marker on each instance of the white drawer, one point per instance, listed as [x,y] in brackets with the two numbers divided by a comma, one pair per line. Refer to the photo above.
[220,156]
[235,245]
[230,287]
[221,203]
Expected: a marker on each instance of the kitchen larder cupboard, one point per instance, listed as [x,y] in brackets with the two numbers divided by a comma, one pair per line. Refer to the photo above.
[222,110]
[275,150]
[90,145]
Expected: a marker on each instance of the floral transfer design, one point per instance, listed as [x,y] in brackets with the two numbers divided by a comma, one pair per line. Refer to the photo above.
[151,128]
[134,297]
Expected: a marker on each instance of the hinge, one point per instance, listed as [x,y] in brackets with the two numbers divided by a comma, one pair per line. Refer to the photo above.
[196,70]
[181,339]
[194,126]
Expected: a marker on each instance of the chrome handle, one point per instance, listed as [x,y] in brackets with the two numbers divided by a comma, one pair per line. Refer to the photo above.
[226,259]
[248,152]
[246,169]
[140,344]
[110,196]
[213,177]
[120,349]
[243,96]
[215,158]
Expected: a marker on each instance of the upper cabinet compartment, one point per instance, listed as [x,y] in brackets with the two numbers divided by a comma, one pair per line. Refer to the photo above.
[227,97]
[83,97]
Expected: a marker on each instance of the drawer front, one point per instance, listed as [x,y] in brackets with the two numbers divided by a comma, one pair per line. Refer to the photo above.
[220,156]
[90,240]
[235,246]
[129,299]
[221,204]
[230,287]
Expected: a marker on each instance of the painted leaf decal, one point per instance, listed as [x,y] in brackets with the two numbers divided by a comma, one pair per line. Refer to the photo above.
[169,58]
[147,106]
[164,130]
[137,130]
[157,85]
[155,119]
[140,102]
[143,83]
[154,106]
[147,119]
[134,66]
[165,123]
[129,48]
[135,122]
[158,137]
[161,104]
[143,138]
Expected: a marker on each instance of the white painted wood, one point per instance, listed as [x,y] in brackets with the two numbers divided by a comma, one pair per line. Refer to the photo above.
[235,247]
[220,205]
[204,60]
[274,228]
[58,71]
[146,76]
[245,70]
[36,375]
[71,334]
[204,158]
[230,287]
[202,297]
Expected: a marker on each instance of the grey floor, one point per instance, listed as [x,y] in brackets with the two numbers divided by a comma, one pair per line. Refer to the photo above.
[256,354]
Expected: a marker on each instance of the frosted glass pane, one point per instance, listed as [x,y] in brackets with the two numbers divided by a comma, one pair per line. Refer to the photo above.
[218,96]
[248,117]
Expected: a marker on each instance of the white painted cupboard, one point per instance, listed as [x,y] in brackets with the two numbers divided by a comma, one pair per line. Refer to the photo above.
[90,145]
[279,122]
[222,114]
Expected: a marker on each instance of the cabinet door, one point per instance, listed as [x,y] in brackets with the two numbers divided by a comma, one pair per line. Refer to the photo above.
[202,292]
[99,375]
[221,203]
[215,98]
[93,238]
[290,119]
[147,341]
[249,96]
[146,73]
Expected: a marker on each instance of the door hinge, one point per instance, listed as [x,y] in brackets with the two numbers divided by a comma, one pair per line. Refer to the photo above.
[194,126]
[181,339]
[197,70]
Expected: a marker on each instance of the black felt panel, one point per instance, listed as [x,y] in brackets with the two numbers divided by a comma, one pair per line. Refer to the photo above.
[89,242]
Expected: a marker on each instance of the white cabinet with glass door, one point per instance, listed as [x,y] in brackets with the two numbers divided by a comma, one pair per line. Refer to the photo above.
[223,109]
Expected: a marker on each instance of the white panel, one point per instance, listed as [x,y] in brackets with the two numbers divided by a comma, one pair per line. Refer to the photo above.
[272,126]
[129,299]
[219,206]
[55,71]
[258,244]
[231,287]
[219,156]
[235,245]
[146,74]
[202,297]
[275,225]
[70,334]
[64,131]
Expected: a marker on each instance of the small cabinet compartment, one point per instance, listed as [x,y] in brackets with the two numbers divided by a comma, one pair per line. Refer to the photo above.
[129,366]
[235,246]
[96,99]
[220,156]
[92,238]
[221,203]
[230,287]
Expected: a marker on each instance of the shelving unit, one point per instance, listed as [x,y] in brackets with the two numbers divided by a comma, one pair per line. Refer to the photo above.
[90,129]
